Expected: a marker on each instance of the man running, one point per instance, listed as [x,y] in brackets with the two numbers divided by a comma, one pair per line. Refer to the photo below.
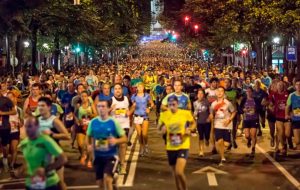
[38,150]
[222,115]
[104,134]
[178,125]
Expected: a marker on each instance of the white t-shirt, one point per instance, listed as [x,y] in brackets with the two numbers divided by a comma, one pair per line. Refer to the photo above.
[222,111]
[119,111]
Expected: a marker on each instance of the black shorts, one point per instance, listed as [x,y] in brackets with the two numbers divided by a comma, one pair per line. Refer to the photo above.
[271,118]
[283,120]
[224,134]
[204,130]
[247,124]
[173,155]
[4,137]
[126,132]
[15,136]
[105,165]
[296,124]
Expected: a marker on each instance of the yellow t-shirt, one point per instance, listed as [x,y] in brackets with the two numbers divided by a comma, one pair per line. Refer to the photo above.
[175,125]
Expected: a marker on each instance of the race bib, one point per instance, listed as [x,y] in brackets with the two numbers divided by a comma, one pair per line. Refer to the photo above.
[120,112]
[281,106]
[38,182]
[220,115]
[296,112]
[138,120]
[13,127]
[101,145]
[69,117]
[175,139]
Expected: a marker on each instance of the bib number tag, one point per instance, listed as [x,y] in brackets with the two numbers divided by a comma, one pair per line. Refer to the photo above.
[85,123]
[296,112]
[101,145]
[13,127]
[69,117]
[220,115]
[175,139]
[138,120]
[38,183]
[120,112]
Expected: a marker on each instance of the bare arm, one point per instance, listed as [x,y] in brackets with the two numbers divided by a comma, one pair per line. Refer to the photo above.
[59,162]
[63,132]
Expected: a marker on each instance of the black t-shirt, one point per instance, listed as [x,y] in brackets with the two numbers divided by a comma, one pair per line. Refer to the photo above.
[5,105]
[192,90]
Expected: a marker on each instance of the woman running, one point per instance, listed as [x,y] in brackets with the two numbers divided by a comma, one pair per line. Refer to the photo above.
[202,112]
[140,101]
[86,112]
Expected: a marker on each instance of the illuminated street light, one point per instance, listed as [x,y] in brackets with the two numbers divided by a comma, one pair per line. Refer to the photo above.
[276,40]
[26,44]
[196,26]
[46,46]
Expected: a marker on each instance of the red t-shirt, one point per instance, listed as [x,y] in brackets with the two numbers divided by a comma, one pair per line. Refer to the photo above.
[280,101]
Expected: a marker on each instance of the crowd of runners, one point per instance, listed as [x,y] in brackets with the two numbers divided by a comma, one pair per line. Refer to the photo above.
[97,108]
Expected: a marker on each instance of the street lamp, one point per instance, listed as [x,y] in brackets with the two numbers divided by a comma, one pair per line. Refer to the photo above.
[46,46]
[26,44]
[186,20]
[196,27]
[276,40]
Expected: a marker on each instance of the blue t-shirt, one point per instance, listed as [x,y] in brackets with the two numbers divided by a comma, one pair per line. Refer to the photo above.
[141,104]
[67,98]
[125,91]
[294,102]
[101,131]
[104,97]
[183,100]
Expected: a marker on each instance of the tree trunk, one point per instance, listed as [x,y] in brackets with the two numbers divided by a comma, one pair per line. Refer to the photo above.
[259,57]
[34,70]
[269,56]
[56,52]
[19,52]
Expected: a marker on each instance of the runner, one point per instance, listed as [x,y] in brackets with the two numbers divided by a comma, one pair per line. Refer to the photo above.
[283,126]
[121,112]
[31,102]
[104,134]
[178,125]
[222,115]
[7,109]
[251,120]
[86,112]
[201,113]
[140,102]
[184,100]
[16,122]
[52,126]
[293,112]
[38,150]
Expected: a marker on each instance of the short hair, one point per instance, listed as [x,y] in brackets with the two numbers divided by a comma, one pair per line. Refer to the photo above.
[48,101]
[108,102]
[47,92]
[214,79]
[36,85]
[172,98]
[127,77]
[297,80]
[80,84]
[118,84]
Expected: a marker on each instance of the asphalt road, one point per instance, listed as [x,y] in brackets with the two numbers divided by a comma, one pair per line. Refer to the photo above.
[240,172]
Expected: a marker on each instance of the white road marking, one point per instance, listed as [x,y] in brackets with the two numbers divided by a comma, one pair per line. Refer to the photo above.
[291,178]
[133,165]
[211,174]
[121,177]
[212,180]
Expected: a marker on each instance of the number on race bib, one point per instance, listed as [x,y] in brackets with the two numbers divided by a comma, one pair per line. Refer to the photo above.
[38,182]
[101,145]
[175,139]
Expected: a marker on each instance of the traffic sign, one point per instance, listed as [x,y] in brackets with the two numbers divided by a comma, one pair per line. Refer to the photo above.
[291,54]
[253,54]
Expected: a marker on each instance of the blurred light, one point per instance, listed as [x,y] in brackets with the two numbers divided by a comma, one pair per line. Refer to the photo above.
[186,18]
[276,40]
[196,27]
[244,52]
[26,44]
[45,45]
[77,49]
[174,37]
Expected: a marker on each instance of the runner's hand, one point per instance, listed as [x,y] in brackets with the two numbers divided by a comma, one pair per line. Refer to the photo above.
[147,110]
[227,122]
[187,131]
[112,141]
[40,172]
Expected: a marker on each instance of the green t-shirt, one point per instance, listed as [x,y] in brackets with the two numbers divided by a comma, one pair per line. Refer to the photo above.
[136,81]
[39,153]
